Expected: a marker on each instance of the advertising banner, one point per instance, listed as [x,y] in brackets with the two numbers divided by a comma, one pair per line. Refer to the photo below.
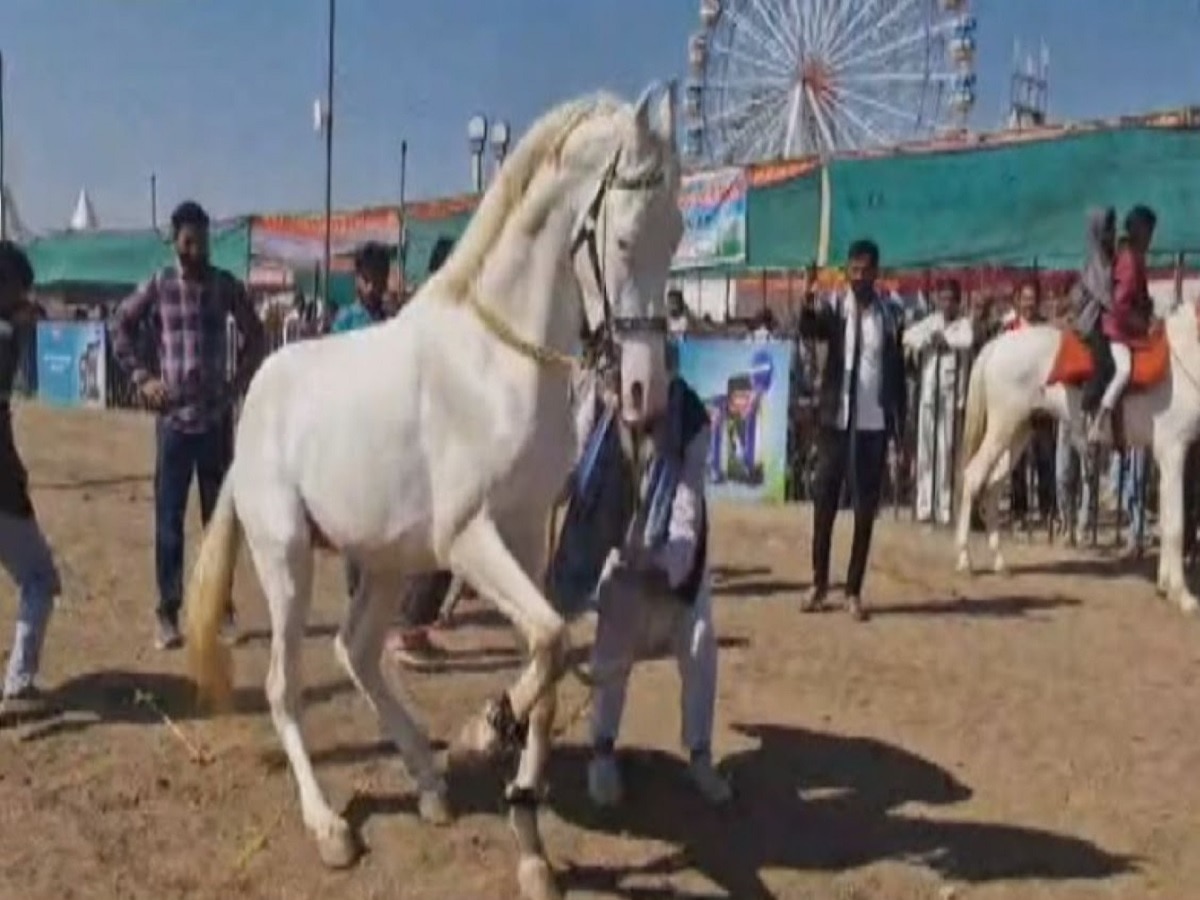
[714,219]
[745,385]
[301,239]
[71,363]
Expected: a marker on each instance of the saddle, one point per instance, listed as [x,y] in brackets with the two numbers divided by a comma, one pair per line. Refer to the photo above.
[1074,365]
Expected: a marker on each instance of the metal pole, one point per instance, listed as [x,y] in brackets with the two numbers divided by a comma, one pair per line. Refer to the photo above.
[3,183]
[154,201]
[403,249]
[327,256]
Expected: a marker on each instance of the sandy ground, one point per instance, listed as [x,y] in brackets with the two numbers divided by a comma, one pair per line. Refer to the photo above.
[1023,737]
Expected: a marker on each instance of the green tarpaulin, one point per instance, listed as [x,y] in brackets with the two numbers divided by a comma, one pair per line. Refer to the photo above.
[422,235]
[1018,204]
[120,258]
[783,222]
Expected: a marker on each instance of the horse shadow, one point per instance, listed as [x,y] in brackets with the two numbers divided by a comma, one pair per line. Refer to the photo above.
[806,801]
[146,698]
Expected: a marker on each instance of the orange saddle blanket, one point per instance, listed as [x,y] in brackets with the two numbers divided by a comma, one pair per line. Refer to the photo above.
[1074,366]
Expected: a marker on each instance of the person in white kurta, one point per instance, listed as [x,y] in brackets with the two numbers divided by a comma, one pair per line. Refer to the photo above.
[941,341]
[655,599]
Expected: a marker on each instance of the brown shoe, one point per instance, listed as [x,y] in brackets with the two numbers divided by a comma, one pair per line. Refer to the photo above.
[414,649]
[858,612]
[814,601]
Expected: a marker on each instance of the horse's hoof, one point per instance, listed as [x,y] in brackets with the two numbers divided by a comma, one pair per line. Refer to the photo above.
[477,744]
[964,564]
[1000,567]
[433,808]
[1188,603]
[536,880]
[337,847]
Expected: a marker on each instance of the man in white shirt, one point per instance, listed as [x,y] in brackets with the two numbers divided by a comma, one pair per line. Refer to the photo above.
[941,341]
[862,403]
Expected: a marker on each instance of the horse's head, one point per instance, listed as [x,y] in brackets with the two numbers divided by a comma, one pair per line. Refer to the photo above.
[623,246]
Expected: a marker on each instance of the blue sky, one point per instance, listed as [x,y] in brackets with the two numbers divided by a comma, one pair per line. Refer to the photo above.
[216,96]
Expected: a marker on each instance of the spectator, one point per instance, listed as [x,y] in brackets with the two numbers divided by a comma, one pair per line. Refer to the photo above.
[1091,296]
[861,403]
[679,319]
[171,337]
[1128,319]
[943,340]
[24,552]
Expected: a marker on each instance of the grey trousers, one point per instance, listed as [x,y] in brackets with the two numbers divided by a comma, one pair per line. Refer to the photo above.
[632,626]
[26,557]
[421,601]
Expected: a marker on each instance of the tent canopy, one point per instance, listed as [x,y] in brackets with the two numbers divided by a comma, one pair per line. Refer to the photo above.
[126,258]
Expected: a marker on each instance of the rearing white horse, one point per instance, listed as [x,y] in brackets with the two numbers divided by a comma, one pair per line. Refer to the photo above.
[442,439]
[1038,369]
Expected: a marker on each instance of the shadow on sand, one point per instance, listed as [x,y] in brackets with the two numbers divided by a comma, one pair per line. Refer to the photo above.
[806,801]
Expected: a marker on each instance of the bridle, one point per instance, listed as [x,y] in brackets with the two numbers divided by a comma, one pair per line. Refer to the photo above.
[601,340]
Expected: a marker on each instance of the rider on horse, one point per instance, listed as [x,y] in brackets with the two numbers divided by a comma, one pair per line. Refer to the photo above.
[1127,320]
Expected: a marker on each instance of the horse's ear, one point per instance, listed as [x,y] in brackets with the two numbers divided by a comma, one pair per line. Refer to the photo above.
[666,112]
[641,110]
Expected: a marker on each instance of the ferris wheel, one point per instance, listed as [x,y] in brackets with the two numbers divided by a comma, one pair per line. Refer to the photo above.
[775,79]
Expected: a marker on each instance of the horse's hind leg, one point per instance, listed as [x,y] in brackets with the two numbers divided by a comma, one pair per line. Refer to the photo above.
[977,475]
[285,572]
[359,648]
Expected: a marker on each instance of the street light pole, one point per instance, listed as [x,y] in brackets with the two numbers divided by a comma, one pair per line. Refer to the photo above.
[477,134]
[402,250]
[154,201]
[327,259]
[3,183]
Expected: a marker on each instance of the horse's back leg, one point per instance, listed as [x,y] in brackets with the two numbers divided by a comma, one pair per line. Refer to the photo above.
[285,569]
[359,648]
[977,478]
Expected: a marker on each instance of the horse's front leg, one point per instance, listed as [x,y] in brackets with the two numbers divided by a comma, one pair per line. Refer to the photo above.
[1171,580]
[482,558]
[544,633]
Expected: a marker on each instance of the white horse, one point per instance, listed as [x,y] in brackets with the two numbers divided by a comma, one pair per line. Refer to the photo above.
[441,440]
[1011,380]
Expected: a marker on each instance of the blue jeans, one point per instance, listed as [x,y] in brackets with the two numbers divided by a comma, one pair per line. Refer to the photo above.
[1131,491]
[26,557]
[1072,482]
[205,454]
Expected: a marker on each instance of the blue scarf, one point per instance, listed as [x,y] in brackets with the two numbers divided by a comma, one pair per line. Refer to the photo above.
[603,501]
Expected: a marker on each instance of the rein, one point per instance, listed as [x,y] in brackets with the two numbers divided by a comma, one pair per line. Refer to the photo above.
[585,238]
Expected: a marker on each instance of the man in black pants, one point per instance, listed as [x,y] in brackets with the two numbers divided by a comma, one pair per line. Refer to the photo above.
[861,404]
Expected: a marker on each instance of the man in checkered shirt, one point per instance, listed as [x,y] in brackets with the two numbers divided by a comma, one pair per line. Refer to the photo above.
[171,337]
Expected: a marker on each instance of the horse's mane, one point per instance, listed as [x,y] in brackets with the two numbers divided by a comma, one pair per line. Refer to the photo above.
[545,139]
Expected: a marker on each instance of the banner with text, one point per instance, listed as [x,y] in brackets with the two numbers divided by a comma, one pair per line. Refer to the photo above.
[301,239]
[745,385]
[72,363]
[714,219]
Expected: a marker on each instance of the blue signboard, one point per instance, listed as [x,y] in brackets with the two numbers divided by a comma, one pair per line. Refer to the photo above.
[71,359]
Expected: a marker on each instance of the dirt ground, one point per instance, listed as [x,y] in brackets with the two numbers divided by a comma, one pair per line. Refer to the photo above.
[1024,737]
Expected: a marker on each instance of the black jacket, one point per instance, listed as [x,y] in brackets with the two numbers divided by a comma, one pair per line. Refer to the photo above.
[827,323]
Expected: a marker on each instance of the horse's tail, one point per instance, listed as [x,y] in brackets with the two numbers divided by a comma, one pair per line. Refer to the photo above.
[975,418]
[208,601]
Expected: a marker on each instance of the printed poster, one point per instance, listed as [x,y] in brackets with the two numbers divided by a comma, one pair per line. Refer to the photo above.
[71,363]
[714,219]
[745,385]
